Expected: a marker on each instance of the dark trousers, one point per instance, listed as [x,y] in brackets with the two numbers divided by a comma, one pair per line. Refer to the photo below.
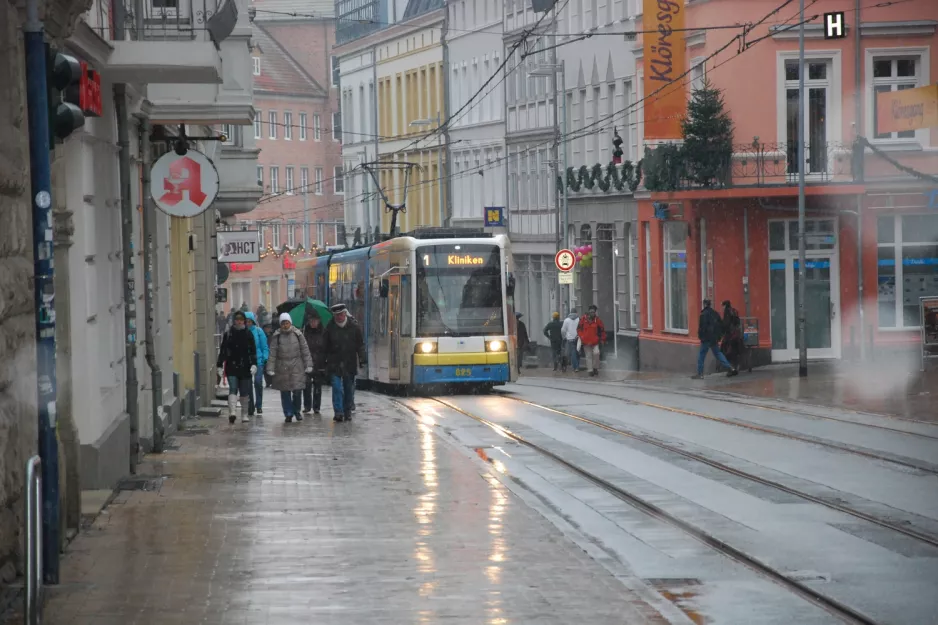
[257,399]
[556,351]
[312,396]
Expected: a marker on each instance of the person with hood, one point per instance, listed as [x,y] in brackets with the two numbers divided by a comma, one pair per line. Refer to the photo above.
[314,332]
[345,353]
[569,334]
[289,365]
[732,344]
[237,359]
[592,333]
[554,333]
[709,331]
[263,352]
[523,340]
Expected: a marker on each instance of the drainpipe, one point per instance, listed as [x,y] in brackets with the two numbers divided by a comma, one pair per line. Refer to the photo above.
[150,262]
[40,171]
[858,104]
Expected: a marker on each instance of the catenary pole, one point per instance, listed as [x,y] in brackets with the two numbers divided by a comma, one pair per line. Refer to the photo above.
[802,345]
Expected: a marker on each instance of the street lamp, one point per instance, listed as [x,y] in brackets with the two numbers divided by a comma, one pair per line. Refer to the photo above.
[560,126]
[439,154]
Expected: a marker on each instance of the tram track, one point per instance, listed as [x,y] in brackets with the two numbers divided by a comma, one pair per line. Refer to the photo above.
[760,428]
[829,604]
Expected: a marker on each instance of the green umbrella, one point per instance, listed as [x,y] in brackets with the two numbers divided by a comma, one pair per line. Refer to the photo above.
[298,314]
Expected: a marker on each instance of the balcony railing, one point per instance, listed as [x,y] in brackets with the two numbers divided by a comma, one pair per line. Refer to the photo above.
[673,167]
[161,20]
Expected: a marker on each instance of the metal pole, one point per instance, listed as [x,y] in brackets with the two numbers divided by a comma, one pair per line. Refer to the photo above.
[746,259]
[377,133]
[306,237]
[150,264]
[32,598]
[445,116]
[440,181]
[563,138]
[557,168]
[802,346]
[40,171]
[858,105]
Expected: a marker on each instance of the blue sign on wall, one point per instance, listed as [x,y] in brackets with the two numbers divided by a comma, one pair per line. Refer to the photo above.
[494,217]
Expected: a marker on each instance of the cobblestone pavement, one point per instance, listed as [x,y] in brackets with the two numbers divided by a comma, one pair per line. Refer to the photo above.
[374,521]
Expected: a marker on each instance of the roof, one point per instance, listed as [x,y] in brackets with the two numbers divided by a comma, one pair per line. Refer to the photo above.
[419,7]
[280,72]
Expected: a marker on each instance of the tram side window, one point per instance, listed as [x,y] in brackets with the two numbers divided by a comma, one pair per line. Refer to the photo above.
[406,307]
[321,287]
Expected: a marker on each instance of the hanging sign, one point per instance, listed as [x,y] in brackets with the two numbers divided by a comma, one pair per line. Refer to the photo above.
[663,56]
[184,186]
[909,109]
[238,246]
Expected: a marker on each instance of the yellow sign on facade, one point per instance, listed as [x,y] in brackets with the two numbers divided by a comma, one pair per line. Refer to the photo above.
[664,59]
[909,109]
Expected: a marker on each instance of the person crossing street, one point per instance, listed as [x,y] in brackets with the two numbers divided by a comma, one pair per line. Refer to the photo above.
[237,359]
[592,333]
[345,353]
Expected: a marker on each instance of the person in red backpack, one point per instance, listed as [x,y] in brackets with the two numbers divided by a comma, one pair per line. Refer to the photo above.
[592,334]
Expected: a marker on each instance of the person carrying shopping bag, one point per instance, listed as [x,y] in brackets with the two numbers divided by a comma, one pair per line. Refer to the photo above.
[290,363]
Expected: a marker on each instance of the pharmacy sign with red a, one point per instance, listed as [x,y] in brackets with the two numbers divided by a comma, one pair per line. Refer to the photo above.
[184,186]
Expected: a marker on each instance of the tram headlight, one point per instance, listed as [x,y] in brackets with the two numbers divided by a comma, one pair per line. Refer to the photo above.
[426,347]
[495,346]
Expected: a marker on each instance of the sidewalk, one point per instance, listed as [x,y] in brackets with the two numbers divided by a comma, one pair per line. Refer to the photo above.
[374,521]
[891,387]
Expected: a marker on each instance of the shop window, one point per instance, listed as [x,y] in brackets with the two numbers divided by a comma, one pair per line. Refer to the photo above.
[907,267]
[675,276]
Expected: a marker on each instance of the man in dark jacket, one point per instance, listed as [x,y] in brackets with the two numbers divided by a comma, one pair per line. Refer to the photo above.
[316,339]
[345,353]
[732,345]
[709,331]
[237,359]
[554,333]
[522,340]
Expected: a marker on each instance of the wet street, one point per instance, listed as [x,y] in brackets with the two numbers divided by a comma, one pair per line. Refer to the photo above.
[550,501]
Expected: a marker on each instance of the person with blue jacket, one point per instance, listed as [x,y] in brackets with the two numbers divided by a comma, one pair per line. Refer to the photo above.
[263,354]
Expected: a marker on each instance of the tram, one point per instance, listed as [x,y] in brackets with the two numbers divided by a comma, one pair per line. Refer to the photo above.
[434,309]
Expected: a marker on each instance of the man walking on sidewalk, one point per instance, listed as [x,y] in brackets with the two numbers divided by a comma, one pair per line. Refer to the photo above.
[554,334]
[237,359]
[345,353]
[569,333]
[592,334]
[709,331]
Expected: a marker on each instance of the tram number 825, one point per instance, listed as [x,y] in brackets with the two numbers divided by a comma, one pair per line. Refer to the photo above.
[463,372]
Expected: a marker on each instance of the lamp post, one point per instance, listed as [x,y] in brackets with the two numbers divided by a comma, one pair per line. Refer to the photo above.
[439,155]
[560,127]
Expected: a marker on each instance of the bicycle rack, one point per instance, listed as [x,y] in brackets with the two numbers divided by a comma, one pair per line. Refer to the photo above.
[33,499]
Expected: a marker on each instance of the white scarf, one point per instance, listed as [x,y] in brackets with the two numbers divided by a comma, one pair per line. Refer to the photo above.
[343,324]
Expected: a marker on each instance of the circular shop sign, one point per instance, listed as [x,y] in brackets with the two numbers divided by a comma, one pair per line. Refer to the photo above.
[184,186]
[564,260]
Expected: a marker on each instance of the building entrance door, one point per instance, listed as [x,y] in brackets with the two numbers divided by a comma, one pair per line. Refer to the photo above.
[822,290]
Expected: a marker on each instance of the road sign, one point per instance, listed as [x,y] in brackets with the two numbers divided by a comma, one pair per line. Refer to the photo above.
[494,217]
[565,277]
[184,186]
[835,26]
[222,271]
[565,260]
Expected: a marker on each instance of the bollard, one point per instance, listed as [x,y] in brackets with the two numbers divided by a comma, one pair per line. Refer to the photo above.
[33,503]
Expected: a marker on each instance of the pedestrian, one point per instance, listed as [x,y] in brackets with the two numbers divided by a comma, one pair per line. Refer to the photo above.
[732,345]
[269,329]
[554,333]
[523,340]
[256,405]
[237,359]
[592,333]
[709,330]
[315,339]
[289,364]
[345,353]
[570,337]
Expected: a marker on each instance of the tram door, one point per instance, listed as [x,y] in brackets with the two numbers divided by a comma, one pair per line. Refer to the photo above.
[394,327]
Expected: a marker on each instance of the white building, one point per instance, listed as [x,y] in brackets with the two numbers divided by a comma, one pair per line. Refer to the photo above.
[477,134]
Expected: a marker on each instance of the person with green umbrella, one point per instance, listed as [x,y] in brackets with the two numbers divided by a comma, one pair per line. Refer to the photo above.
[315,335]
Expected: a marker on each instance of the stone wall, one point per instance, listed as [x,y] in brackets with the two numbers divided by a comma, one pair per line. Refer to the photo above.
[18,427]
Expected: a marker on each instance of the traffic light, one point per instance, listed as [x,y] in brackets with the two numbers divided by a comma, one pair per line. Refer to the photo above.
[64,78]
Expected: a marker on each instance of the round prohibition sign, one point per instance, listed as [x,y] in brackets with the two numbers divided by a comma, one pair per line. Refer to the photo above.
[565,260]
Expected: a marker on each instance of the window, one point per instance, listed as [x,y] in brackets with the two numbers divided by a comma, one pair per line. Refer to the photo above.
[291,234]
[228,130]
[274,180]
[698,74]
[337,127]
[817,112]
[907,267]
[894,74]
[335,71]
[258,132]
[675,275]
[276,236]
[318,187]
[272,122]
[288,126]
[262,239]
[302,126]
[339,181]
[289,181]
[260,176]
[304,179]
[317,128]
[257,65]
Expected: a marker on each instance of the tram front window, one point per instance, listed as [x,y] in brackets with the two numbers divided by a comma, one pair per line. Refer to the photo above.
[459,290]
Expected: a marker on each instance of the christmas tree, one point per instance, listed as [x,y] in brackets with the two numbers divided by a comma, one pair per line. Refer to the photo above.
[708,138]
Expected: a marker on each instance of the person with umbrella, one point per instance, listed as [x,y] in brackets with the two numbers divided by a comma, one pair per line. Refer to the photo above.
[237,359]
[289,364]
[314,331]
[345,353]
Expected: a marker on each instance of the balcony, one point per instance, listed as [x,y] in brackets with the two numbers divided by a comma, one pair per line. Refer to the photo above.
[236,161]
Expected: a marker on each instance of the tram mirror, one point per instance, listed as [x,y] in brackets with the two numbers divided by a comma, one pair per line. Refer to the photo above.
[385,287]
